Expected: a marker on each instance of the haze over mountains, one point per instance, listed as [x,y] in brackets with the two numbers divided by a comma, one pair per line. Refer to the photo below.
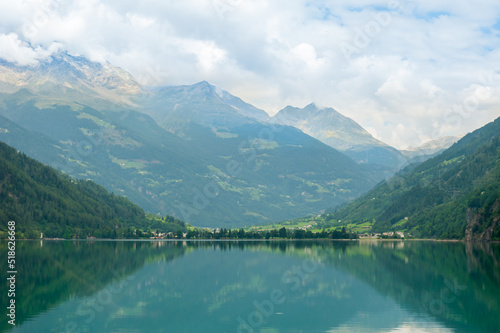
[194,152]
[431,147]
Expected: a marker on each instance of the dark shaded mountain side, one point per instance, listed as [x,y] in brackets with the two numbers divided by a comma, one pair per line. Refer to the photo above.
[33,144]
[42,200]
[443,197]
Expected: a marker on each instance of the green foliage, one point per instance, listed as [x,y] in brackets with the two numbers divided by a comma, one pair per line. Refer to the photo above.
[165,224]
[282,233]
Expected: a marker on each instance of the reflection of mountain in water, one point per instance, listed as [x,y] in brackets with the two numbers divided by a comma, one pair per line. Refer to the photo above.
[52,272]
[326,286]
[457,284]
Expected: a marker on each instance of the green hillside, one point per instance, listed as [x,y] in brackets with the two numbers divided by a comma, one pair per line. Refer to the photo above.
[453,195]
[42,200]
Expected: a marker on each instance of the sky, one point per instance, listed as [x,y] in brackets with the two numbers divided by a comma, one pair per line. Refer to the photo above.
[407,71]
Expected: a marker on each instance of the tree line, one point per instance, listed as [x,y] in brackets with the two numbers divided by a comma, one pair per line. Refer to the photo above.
[282,233]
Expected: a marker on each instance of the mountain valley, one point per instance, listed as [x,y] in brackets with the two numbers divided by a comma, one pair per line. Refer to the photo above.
[194,152]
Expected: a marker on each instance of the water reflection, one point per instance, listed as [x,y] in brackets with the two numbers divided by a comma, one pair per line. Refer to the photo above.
[257,287]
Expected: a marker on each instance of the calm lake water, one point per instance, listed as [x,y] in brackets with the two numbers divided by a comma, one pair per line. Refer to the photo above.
[129,286]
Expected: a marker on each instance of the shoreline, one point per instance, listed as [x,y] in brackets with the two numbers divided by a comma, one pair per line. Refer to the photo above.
[260,240]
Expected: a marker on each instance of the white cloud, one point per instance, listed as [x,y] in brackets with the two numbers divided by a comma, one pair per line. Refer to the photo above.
[17,51]
[206,52]
[412,61]
[13,50]
[140,21]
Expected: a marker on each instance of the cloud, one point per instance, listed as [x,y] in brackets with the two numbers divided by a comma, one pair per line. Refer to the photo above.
[14,50]
[407,63]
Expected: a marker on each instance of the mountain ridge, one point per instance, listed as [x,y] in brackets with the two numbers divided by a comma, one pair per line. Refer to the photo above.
[63,78]
[163,157]
[342,133]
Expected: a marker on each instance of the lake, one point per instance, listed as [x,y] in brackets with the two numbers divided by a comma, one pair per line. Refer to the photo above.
[280,286]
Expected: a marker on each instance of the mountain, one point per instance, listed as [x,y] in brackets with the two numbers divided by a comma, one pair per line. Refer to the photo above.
[41,200]
[202,103]
[68,79]
[125,150]
[33,144]
[453,195]
[243,107]
[193,152]
[429,149]
[342,133]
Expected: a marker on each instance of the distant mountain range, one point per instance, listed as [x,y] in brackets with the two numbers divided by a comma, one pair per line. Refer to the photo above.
[429,148]
[341,133]
[195,152]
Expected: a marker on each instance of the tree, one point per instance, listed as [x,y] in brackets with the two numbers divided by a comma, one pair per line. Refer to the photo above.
[191,234]
[241,233]
[178,234]
[299,234]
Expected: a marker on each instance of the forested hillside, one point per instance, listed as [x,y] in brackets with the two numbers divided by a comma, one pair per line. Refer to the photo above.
[453,195]
[42,200]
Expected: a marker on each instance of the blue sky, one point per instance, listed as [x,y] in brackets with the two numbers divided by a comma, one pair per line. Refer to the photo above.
[407,71]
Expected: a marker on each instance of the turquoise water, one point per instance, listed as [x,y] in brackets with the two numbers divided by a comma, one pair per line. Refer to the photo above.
[128,286]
